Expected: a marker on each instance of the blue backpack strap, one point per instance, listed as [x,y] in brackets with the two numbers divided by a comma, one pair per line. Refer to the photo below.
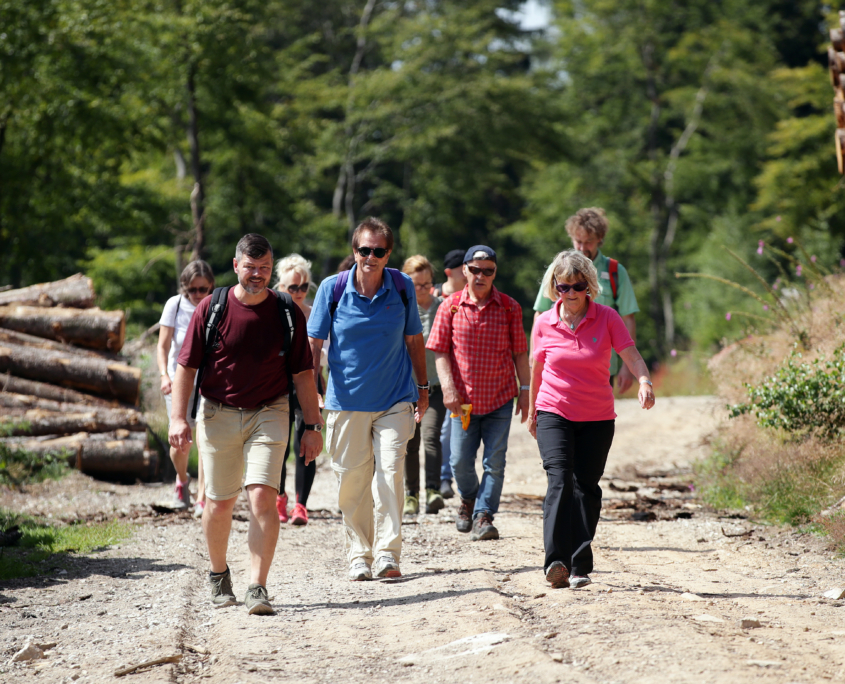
[337,292]
[399,283]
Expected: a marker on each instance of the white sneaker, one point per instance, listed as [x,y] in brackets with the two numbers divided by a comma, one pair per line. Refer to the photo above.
[360,572]
[385,566]
[578,581]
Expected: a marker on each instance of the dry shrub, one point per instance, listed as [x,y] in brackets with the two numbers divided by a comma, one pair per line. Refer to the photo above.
[834,526]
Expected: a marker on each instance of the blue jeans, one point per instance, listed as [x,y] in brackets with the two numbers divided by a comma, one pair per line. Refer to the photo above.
[445,439]
[493,429]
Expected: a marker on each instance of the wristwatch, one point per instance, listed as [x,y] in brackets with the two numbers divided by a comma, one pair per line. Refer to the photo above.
[316,427]
[524,388]
[647,382]
[426,387]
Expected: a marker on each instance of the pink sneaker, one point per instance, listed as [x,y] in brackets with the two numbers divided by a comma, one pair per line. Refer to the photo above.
[282,507]
[299,516]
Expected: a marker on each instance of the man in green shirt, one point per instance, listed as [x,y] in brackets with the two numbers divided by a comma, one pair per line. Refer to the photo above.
[587,229]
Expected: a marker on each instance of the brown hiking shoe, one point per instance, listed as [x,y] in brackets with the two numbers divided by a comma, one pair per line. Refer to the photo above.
[483,528]
[464,520]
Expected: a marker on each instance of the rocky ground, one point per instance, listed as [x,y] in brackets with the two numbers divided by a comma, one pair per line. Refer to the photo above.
[679,593]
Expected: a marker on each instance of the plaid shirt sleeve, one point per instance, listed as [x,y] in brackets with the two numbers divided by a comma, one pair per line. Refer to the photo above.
[519,344]
[440,338]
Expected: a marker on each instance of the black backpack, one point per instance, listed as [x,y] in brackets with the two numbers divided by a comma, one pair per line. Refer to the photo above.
[219,300]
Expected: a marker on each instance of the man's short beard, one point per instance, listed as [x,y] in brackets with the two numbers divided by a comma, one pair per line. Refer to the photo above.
[249,288]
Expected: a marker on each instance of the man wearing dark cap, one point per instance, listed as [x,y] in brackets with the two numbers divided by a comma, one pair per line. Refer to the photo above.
[478,340]
[455,282]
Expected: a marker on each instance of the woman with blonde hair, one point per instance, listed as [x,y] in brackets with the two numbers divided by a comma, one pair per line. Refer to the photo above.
[294,277]
[571,412]
[195,283]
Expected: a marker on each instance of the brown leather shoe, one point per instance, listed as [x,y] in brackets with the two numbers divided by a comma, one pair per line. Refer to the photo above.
[483,528]
[464,520]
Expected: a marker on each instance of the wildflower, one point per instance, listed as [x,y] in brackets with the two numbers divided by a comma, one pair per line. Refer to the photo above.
[812,286]
[728,316]
[674,352]
[760,247]
[813,258]
[789,240]
[777,218]
[765,307]
[798,270]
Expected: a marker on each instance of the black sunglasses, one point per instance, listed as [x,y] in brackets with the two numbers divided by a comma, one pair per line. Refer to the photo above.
[299,288]
[198,290]
[563,288]
[378,251]
[475,270]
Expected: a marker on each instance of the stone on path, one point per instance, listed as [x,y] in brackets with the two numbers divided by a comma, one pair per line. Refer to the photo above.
[836,593]
[28,652]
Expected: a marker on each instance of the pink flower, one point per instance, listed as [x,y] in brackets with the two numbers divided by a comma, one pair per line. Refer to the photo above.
[765,307]
[789,240]
[812,286]
[777,218]
[674,352]
[798,270]
[842,263]
[760,247]
[813,258]
[728,316]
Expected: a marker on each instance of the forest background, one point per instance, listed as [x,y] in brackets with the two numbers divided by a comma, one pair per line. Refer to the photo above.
[136,134]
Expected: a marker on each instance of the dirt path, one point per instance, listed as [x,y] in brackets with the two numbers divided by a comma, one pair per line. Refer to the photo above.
[668,597]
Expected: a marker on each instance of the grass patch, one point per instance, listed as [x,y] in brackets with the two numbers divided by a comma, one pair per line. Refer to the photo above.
[715,482]
[686,375]
[44,546]
[19,467]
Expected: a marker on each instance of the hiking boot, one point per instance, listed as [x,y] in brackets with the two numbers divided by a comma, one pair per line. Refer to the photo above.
[385,566]
[299,516]
[446,490]
[199,507]
[412,505]
[578,581]
[222,594]
[464,520]
[257,602]
[557,575]
[433,501]
[181,496]
[483,528]
[360,572]
[282,507]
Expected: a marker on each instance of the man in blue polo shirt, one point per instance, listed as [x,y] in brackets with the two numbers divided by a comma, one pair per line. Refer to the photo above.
[376,341]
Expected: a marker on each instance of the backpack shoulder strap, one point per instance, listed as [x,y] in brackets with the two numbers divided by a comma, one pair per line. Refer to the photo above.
[337,291]
[399,283]
[613,271]
[219,299]
[286,313]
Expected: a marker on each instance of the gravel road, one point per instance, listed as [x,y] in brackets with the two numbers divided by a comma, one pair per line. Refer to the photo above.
[679,594]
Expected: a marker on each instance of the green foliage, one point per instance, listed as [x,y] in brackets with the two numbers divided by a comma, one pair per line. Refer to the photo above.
[18,467]
[795,493]
[716,481]
[45,546]
[801,397]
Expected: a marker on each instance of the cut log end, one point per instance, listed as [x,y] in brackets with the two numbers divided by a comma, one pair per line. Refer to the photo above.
[840,149]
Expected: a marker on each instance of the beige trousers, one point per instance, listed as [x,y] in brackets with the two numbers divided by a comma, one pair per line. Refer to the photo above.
[368,458]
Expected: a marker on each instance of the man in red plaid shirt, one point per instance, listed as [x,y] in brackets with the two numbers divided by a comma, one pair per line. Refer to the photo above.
[478,340]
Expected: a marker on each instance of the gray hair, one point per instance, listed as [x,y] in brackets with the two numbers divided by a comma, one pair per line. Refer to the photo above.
[573,266]
[292,263]
[254,246]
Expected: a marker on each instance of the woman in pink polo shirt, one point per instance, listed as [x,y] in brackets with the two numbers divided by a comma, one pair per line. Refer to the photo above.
[571,412]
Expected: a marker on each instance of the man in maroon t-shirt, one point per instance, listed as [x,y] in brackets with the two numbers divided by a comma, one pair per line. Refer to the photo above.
[243,415]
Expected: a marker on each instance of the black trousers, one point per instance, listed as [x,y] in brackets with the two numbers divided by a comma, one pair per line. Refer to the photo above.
[574,455]
[304,478]
[427,432]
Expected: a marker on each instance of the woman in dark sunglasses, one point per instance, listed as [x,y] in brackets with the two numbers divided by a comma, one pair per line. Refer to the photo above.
[195,283]
[571,411]
[294,277]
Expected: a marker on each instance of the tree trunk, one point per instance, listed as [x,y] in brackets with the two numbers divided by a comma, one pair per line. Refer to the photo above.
[76,291]
[198,193]
[105,378]
[9,383]
[16,400]
[25,340]
[67,421]
[92,328]
[109,457]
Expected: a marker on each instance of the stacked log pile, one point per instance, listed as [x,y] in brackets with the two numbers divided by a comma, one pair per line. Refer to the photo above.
[63,386]
[836,66]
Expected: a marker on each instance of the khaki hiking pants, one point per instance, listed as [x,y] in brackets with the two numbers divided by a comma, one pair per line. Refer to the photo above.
[368,458]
